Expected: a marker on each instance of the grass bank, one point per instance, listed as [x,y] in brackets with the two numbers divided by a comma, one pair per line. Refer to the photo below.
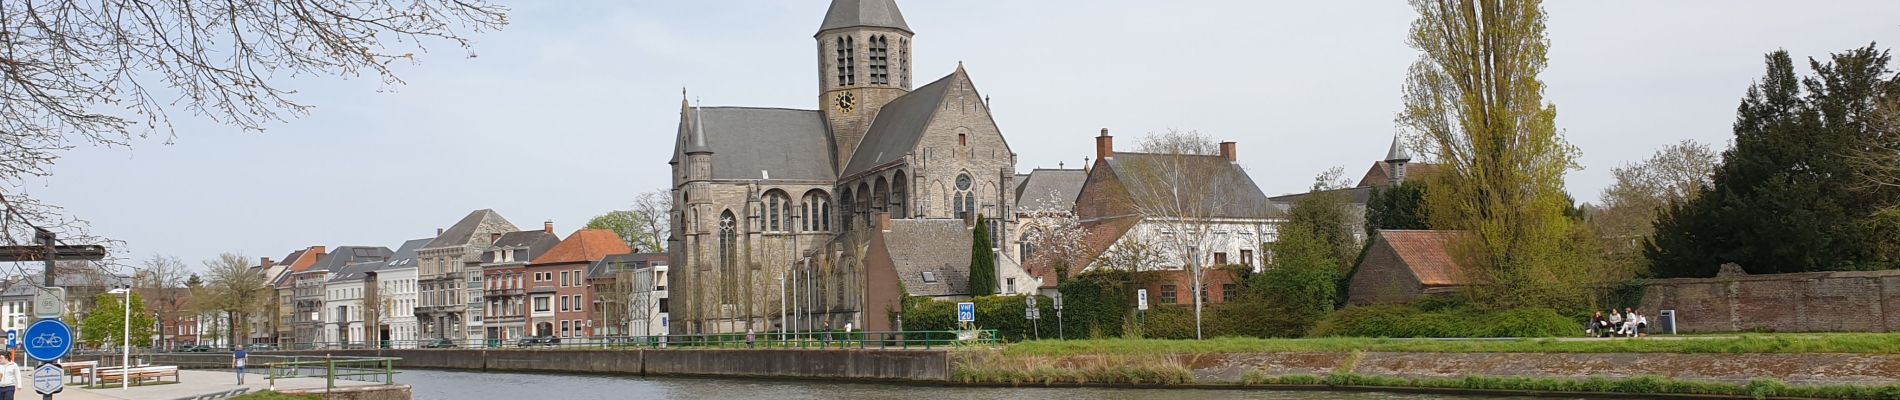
[1859,343]
[1648,385]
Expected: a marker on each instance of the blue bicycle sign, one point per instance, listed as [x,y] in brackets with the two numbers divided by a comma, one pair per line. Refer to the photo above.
[48,340]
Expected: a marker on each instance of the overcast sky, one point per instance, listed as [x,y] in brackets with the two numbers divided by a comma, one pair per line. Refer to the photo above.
[570,111]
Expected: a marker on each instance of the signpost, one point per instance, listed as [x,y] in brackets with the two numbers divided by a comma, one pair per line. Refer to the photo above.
[1033,314]
[48,379]
[1141,305]
[49,302]
[966,312]
[48,340]
[1058,304]
[13,338]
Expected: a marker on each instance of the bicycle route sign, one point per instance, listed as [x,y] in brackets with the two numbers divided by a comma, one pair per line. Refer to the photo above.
[49,378]
[48,340]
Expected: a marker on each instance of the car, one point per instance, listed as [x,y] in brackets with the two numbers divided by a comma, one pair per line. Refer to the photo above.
[261,347]
[538,341]
[194,349]
[439,344]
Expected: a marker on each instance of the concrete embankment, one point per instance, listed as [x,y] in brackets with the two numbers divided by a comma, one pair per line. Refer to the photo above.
[892,365]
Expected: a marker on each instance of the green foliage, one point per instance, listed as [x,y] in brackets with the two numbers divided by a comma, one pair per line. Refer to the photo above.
[1323,216]
[106,321]
[1397,207]
[982,262]
[1005,314]
[625,224]
[1302,285]
[1785,198]
[1855,343]
[1446,319]
[1096,304]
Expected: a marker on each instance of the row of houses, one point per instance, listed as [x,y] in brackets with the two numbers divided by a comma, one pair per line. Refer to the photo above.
[482,279]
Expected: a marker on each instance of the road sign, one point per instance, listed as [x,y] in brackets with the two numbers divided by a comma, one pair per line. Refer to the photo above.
[48,340]
[49,302]
[49,378]
[13,338]
[1031,300]
[1031,313]
[966,312]
[1057,299]
[1141,299]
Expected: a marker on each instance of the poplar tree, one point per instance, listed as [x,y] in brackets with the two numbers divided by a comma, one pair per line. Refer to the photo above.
[1474,105]
[982,261]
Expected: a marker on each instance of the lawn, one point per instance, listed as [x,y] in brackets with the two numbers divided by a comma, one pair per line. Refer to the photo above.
[1865,343]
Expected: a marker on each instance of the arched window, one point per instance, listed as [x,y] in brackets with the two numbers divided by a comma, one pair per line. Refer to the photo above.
[863,206]
[965,200]
[815,212]
[880,53]
[903,61]
[1027,247]
[847,61]
[778,211]
[845,207]
[881,195]
[728,255]
[900,196]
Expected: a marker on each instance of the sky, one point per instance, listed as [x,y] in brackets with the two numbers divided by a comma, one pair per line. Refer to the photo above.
[569,112]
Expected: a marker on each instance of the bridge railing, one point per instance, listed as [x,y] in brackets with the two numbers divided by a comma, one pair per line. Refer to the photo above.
[760,340]
[331,369]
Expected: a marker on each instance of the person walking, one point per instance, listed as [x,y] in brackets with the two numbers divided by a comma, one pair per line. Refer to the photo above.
[237,363]
[748,338]
[9,378]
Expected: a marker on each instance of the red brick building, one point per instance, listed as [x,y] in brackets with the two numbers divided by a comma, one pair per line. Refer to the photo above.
[559,300]
[1404,265]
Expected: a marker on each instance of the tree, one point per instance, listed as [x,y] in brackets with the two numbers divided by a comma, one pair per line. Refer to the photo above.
[1400,206]
[109,72]
[162,281]
[1627,216]
[236,290]
[1178,184]
[1474,101]
[653,210]
[1056,240]
[106,321]
[982,261]
[1322,215]
[1789,196]
[625,224]
[1302,286]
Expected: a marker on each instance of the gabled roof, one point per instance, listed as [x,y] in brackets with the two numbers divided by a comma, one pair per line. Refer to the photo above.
[1050,190]
[464,231]
[899,125]
[533,243]
[616,263]
[1425,253]
[1380,175]
[938,246]
[1234,195]
[875,13]
[1097,237]
[1355,195]
[586,245]
[752,143]
[405,255]
[346,255]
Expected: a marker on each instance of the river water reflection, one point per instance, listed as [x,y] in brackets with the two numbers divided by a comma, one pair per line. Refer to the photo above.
[455,385]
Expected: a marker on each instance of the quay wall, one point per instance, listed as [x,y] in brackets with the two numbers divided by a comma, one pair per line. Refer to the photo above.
[894,365]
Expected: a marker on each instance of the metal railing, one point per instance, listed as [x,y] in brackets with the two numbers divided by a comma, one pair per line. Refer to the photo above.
[761,340]
[365,369]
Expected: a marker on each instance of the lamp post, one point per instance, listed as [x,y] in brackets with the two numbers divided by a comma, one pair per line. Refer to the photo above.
[125,360]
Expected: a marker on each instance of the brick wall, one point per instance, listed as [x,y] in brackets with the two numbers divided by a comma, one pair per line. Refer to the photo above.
[1382,279]
[1806,302]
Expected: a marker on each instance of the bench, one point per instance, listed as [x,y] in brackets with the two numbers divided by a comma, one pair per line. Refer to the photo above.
[80,369]
[138,375]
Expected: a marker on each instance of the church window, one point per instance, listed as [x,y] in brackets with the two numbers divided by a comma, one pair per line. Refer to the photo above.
[903,61]
[778,211]
[816,212]
[847,61]
[965,200]
[1027,247]
[728,255]
[963,139]
[880,53]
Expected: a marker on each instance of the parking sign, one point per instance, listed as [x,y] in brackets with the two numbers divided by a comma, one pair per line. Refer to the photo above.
[966,312]
[1141,299]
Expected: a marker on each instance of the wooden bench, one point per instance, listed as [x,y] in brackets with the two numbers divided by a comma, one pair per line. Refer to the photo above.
[80,369]
[138,375]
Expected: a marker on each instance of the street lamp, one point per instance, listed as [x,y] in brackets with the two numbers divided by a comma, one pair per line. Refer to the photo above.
[125,360]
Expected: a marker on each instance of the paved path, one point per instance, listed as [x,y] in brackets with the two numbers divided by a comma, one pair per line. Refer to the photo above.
[193,383]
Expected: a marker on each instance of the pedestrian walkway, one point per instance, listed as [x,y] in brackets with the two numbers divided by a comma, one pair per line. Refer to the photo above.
[192,384]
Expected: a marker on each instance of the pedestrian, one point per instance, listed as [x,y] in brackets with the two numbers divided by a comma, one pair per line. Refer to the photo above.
[9,378]
[1615,323]
[237,363]
[748,338]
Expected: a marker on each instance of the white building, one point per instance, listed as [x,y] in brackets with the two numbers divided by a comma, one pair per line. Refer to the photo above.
[396,283]
[1147,209]
[345,295]
[649,300]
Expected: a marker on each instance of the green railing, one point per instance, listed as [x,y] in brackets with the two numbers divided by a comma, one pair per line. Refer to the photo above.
[333,368]
[761,340]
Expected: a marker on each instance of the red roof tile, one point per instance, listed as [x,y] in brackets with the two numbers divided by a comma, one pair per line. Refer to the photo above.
[586,245]
[1426,254]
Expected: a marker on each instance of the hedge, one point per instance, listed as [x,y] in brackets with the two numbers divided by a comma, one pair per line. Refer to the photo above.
[1441,319]
[1005,314]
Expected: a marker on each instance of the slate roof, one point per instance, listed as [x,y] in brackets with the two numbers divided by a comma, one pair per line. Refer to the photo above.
[537,242]
[356,271]
[586,245]
[785,143]
[405,255]
[1355,195]
[1397,152]
[1380,175]
[616,263]
[938,246]
[464,230]
[335,260]
[1240,198]
[876,13]
[1425,254]
[1050,190]
[899,125]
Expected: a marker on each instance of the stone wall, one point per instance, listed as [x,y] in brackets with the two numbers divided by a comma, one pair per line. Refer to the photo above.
[1806,302]
[902,365]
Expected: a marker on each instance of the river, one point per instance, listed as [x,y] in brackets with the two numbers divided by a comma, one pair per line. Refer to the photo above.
[457,385]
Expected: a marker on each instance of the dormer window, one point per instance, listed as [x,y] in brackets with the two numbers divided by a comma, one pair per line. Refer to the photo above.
[930,277]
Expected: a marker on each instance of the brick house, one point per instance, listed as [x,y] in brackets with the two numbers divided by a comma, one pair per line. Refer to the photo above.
[1171,287]
[558,289]
[1403,265]
[504,277]
[1227,221]
[276,325]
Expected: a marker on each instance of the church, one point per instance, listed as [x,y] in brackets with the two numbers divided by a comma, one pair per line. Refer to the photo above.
[778,212]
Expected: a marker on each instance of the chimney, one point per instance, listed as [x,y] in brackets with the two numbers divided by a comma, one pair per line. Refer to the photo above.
[547,226]
[438,231]
[1104,146]
[317,249]
[264,262]
[884,221]
[1227,151]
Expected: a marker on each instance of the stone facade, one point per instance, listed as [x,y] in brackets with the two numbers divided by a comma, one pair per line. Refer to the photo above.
[1805,302]
[449,276]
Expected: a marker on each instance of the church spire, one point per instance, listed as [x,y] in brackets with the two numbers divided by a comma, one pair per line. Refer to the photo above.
[856,13]
[1398,152]
[697,126]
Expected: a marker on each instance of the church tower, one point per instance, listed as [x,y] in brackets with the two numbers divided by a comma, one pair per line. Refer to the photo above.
[863,63]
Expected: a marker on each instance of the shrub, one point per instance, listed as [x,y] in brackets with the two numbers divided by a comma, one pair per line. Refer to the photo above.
[1002,313]
[1441,318]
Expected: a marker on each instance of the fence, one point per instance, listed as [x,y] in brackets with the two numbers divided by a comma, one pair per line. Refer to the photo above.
[764,340]
[364,369]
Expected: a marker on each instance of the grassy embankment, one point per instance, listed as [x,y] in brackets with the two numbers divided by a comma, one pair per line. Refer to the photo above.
[1161,362]
[271,395]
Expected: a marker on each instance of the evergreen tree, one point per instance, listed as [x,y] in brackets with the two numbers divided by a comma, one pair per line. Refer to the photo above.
[982,261]
[1784,199]
[1400,206]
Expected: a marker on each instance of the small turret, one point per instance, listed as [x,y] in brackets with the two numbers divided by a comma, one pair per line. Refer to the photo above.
[1395,160]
